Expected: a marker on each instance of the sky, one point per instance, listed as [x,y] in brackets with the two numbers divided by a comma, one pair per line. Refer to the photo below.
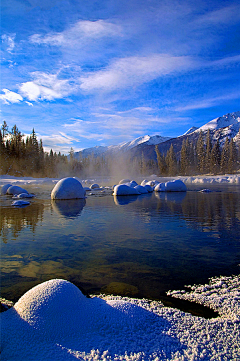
[90,73]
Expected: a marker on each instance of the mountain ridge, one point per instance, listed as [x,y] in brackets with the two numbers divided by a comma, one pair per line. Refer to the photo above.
[220,128]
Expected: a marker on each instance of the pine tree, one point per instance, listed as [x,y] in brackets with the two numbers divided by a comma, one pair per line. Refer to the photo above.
[162,167]
[233,157]
[4,129]
[171,161]
[225,157]
[208,152]
[201,153]
[2,153]
[215,158]
[184,160]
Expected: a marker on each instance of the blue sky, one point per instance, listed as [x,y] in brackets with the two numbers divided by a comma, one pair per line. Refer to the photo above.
[86,73]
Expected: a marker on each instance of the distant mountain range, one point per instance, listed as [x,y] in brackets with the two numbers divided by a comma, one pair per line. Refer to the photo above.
[220,128]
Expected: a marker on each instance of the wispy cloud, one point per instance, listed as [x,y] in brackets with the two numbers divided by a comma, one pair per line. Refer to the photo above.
[60,141]
[82,30]
[8,40]
[226,15]
[10,97]
[209,102]
[133,71]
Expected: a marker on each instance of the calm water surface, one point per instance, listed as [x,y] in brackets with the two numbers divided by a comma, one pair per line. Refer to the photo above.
[136,246]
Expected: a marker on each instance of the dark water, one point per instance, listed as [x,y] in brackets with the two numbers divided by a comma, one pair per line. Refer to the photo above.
[136,246]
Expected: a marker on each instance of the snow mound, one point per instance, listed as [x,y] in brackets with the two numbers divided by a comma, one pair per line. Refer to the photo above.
[5,188]
[52,305]
[123,181]
[55,321]
[124,190]
[16,190]
[141,189]
[68,188]
[94,186]
[148,188]
[171,186]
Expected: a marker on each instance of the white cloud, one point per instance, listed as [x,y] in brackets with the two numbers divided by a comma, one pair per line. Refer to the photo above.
[82,30]
[45,87]
[60,142]
[9,40]
[10,97]
[133,71]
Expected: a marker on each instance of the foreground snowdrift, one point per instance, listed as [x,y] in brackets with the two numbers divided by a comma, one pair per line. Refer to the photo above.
[55,321]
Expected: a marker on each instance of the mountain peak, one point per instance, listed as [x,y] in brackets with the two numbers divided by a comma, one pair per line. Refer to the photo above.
[221,122]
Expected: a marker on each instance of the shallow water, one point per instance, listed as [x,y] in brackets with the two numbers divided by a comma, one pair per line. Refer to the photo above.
[138,246]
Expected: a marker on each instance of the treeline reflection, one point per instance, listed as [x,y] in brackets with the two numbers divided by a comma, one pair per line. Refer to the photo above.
[214,211]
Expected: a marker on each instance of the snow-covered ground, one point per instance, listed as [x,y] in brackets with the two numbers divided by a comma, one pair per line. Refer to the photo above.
[55,321]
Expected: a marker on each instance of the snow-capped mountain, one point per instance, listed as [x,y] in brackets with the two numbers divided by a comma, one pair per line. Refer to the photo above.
[220,128]
[146,139]
[122,147]
[191,130]
[229,120]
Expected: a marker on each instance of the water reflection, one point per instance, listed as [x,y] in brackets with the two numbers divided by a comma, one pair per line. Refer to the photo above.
[70,208]
[136,245]
[14,220]
[216,211]
[123,200]
[175,197]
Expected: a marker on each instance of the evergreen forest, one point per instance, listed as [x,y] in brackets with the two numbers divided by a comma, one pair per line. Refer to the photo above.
[25,156]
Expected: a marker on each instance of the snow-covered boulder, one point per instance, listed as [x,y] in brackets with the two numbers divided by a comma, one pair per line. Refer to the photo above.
[141,189]
[152,183]
[95,186]
[171,186]
[87,189]
[52,306]
[5,188]
[124,190]
[123,181]
[133,184]
[144,182]
[68,188]
[16,190]
[23,195]
[148,188]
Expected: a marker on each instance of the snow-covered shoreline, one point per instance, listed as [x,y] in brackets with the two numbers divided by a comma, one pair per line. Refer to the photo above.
[54,321]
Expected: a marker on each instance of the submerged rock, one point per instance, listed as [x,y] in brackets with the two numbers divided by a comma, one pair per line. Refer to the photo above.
[68,188]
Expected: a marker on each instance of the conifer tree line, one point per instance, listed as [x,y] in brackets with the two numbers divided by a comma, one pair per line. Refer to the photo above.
[24,156]
[206,156]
